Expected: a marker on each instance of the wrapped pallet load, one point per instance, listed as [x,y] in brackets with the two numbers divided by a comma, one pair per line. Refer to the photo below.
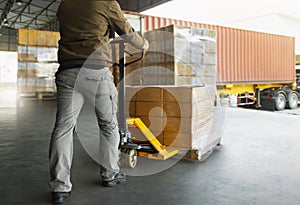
[37,61]
[176,91]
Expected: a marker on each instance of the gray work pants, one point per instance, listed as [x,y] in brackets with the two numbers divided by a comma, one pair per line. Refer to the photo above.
[74,87]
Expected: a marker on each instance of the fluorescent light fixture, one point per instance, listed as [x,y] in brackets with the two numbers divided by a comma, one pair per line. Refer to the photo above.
[19,2]
[5,22]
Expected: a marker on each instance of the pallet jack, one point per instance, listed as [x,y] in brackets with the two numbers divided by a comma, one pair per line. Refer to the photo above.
[131,151]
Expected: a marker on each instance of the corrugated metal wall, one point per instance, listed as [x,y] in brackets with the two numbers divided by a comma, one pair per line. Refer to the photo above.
[245,56]
[8,40]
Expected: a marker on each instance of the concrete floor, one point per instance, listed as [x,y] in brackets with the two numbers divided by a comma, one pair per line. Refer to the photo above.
[257,164]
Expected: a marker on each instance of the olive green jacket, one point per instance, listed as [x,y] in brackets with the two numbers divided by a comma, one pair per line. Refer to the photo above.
[84,30]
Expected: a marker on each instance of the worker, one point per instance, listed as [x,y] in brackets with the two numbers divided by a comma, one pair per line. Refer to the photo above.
[84,76]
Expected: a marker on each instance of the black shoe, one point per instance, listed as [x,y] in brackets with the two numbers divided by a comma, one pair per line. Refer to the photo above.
[119,177]
[60,197]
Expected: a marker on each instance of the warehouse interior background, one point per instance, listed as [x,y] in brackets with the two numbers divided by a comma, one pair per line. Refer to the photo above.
[256,164]
[254,15]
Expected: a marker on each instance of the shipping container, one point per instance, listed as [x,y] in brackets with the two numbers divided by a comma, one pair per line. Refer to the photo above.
[248,62]
[244,56]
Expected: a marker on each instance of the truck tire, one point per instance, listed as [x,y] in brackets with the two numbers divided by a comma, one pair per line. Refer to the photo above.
[293,100]
[280,101]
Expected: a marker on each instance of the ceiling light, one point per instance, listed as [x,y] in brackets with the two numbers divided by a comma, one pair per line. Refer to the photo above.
[19,2]
[5,23]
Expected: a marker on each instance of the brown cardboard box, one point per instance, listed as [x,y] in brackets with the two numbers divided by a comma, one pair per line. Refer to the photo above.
[22,73]
[53,38]
[173,124]
[189,125]
[187,110]
[138,136]
[175,139]
[149,94]
[153,123]
[177,48]
[189,140]
[32,37]
[22,36]
[184,114]
[42,37]
[26,57]
[146,109]
[22,56]
[177,94]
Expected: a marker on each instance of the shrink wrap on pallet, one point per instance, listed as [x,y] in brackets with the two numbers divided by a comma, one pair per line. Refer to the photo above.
[179,116]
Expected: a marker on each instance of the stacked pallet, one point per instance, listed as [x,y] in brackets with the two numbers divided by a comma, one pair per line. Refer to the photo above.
[37,61]
[180,116]
[177,87]
[180,56]
[177,56]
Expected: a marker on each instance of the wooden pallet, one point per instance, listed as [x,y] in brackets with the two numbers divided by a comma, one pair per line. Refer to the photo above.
[197,154]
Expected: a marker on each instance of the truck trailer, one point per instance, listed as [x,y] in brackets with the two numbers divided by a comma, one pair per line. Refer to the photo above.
[254,69]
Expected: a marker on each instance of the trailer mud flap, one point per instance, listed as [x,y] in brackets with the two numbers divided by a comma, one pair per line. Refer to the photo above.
[267,104]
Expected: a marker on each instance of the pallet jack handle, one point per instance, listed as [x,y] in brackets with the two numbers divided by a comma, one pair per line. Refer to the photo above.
[125,136]
[123,130]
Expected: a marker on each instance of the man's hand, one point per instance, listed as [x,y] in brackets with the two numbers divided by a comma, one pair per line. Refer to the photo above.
[146,44]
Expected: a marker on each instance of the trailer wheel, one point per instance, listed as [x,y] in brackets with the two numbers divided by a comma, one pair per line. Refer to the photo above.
[280,101]
[131,158]
[293,100]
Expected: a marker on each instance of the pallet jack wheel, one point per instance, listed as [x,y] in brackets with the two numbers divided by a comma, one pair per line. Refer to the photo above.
[131,158]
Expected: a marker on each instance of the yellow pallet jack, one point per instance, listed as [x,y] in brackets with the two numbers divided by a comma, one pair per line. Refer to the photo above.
[154,150]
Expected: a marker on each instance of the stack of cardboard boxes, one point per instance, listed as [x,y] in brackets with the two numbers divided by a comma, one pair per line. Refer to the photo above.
[177,86]
[179,116]
[37,61]
[180,56]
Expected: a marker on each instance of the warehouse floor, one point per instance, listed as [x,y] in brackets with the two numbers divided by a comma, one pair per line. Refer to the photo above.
[257,164]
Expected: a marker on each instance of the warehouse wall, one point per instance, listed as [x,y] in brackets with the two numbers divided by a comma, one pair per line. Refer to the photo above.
[8,40]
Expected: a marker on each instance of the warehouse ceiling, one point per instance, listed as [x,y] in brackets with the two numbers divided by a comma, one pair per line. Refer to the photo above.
[41,14]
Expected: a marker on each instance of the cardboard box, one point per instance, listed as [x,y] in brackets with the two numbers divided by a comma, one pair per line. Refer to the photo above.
[42,38]
[46,54]
[153,123]
[146,109]
[181,50]
[187,110]
[190,140]
[188,125]
[149,94]
[175,139]
[186,94]
[52,39]
[35,76]
[32,37]
[183,114]
[138,136]
[22,36]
